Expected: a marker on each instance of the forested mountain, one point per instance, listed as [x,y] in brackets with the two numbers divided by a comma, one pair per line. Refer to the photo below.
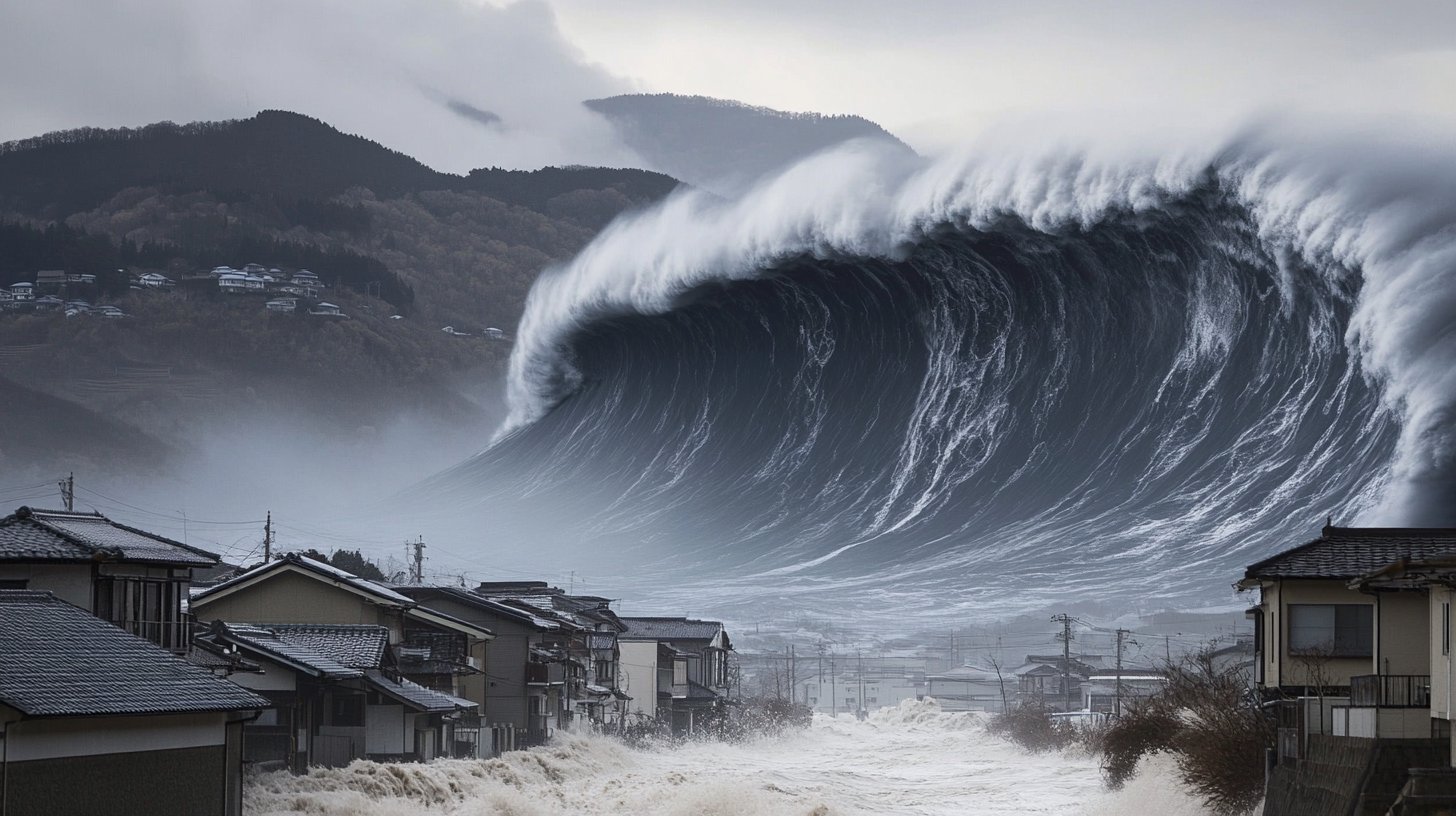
[721,144]
[387,234]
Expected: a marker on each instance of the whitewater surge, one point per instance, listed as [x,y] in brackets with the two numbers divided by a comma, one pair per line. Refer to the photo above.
[914,759]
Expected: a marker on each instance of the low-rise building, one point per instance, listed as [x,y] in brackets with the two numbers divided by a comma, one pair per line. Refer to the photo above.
[425,646]
[691,686]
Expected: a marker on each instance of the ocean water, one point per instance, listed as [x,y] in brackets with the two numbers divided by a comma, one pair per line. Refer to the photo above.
[913,760]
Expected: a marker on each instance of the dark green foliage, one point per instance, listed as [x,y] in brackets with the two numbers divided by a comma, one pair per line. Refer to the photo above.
[355,562]
[276,152]
[352,561]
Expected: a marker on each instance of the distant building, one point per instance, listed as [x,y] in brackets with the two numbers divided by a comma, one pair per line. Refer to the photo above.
[96,720]
[690,674]
[156,280]
[326,309]
[494,334]
[51,280]
[285,305]
[22,292]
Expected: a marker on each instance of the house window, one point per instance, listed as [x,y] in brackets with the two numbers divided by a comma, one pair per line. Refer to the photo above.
[604,671]
[1446,628]
[1333,630]
[348,710]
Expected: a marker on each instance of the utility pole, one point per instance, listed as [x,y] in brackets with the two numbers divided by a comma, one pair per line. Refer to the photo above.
[417,571]
[1117,698]
[860,671]
[833,689]
[68,491]
[793,677]
[268,538]
[1066,638]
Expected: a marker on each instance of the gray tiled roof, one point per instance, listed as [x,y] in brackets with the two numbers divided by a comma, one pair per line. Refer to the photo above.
[58,660]
[59,535]
[1348,552]
[415,695]
[329,650]
[670,629]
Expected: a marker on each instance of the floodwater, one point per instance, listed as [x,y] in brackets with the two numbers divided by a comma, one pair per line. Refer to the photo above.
[914,759]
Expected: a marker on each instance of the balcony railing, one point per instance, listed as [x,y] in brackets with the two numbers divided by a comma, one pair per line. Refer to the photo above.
[1390,691]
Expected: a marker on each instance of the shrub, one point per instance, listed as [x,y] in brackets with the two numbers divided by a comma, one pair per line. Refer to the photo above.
[1033,727]
[1208,718]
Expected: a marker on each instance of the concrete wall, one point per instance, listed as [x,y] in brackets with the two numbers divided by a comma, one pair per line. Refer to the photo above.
[69,582]
[1402,644]
[638,675]
[288,597]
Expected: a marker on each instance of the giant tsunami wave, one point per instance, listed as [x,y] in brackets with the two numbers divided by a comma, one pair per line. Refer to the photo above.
[989,385]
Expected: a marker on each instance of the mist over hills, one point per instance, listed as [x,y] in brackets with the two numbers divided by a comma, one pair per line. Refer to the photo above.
[721,144]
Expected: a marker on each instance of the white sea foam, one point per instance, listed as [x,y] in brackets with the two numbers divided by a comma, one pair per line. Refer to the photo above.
[913,759]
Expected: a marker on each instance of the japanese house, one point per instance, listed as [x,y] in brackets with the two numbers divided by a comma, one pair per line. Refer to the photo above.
[95,720]
[134,579]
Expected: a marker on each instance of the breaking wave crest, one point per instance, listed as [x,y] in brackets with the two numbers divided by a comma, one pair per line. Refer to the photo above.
[1101,377]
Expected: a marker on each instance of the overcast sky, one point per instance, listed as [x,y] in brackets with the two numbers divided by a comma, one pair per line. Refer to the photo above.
[933,71]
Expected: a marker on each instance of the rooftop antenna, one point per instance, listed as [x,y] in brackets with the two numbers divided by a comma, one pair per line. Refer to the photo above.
[268,538]
[68,491]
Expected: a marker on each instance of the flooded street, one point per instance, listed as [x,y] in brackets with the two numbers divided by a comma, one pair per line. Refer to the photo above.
[913,760]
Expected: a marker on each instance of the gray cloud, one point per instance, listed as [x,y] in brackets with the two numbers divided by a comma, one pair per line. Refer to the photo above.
[361,65]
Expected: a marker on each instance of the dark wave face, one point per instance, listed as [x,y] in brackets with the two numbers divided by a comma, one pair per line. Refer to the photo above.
[988,419]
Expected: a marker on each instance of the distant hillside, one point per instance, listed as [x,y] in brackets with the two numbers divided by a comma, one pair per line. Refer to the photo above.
[721,144]
[285,156]
[385,233]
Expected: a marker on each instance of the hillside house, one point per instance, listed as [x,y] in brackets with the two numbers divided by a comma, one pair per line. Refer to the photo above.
[95,720]
[691,687]
[435,650]
[156,280]
[307,279]
[51,280]
[22,292]
[48,303]
[282,305]
[326,309]
[6,297]
[128,577]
